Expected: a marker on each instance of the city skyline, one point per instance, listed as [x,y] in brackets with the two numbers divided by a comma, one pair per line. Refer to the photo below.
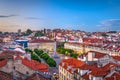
[95,15]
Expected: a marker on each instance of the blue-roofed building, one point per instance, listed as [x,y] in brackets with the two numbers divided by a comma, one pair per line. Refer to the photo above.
[22,42]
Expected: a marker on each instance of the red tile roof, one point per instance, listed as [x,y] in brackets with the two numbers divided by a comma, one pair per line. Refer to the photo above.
[35,65]
[117,48]
[40,41]
[109,66]
[76,43]
[103,71]
[36,76]
[17,57]
[74,63]
[115,76]
[116,57]
[3,63]
[92,40]
[88,67]
[5,76]
[98,73]
[110,47]
[86,76]
[98,54]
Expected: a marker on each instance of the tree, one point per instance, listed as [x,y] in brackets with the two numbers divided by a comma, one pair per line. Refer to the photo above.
[28,50]
[29,31]
[58,49]
[104,35]
[45,56]
[39,33]
[112,32]
[51,62]
[34,57]
[68,52]
[61,44]
[38,52]
[74,55]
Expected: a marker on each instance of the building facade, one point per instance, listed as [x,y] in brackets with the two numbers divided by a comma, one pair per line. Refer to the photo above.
[46,45]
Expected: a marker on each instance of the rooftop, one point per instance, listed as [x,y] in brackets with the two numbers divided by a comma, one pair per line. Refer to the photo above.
[72,62]
[5,76]
[36,76]
[114,76]
[35,65]
[116,57]
[40,41]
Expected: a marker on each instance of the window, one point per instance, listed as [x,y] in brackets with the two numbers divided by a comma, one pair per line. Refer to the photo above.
[27,72]
[14,67]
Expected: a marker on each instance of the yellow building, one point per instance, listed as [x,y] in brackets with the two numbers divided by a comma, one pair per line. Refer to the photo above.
[77,47]
[46,45]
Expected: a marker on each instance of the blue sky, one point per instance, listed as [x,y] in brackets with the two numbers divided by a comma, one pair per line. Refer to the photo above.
[88,15]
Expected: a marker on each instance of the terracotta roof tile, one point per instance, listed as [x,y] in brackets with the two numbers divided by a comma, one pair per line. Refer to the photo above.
[72,62]
[35,65]
[5,76]
[98,73]
[109,66]
[98,54]
[3,63]
[40,41]
[115,76]
[86,76]
[116,57]
[88,67]
[36,76]
[92,40]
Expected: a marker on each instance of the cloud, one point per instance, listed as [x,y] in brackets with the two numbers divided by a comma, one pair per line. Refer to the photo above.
[35,18]
[7,16]
[111,24]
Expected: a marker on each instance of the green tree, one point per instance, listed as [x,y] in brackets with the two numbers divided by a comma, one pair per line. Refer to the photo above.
[38,52]
[68,52]
[104,34]
[29,31]
[58,49]
[28,50]
[39,33]
[61,45]
[51,62]
[45,56]
[34,57]
[74,55]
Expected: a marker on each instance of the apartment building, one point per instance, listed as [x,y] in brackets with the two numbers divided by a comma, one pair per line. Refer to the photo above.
[77,47]
[47,45]
[68,67]
[95,66]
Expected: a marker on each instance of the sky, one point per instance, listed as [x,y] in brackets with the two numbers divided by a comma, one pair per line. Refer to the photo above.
[87,15]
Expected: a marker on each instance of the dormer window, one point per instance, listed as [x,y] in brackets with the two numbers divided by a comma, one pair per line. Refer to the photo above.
[69,67]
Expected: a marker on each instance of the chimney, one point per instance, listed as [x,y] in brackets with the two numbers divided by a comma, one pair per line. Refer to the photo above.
[114,77]
[90,56]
